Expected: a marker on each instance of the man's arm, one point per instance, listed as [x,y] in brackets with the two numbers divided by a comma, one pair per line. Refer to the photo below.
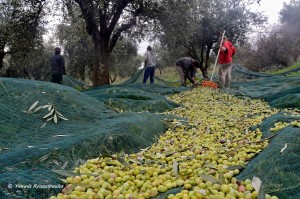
[145,60]
[225,47]
[192,75]
[188,75]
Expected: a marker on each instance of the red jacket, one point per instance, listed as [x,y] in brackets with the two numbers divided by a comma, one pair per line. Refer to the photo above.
[226,56]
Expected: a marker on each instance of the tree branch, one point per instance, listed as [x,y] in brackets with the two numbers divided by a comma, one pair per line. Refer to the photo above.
[116,17]
[118,32]
[124,27]
[87,11]
[103,7]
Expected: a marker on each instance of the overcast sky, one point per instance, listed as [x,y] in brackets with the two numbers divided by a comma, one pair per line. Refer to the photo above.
[270,8]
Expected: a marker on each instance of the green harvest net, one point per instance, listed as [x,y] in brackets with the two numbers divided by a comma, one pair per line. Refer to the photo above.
[279,172]
[125,117]
[31,150]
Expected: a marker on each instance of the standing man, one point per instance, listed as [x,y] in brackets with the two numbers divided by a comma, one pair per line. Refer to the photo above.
[227,50]
[186,68]
[57,67]
[149,64]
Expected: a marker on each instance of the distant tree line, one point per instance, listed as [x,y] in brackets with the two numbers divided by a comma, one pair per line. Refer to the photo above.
[100,39]
[277,48]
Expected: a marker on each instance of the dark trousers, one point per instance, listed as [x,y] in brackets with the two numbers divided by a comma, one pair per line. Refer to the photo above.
[56,77]
[149,71]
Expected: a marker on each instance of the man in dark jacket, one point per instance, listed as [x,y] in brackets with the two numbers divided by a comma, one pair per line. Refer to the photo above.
[57,67]
[186,68]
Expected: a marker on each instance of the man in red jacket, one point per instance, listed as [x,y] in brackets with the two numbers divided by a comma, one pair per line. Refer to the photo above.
[227,50]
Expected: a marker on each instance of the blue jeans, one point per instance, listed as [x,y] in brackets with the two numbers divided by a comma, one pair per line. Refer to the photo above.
[149,71]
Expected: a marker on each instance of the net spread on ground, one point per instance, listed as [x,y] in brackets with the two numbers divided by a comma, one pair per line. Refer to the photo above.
[46,127]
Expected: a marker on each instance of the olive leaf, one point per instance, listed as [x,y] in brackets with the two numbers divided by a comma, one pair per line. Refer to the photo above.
[207,177]
[258,186]
[60,115]
[46,106]
[50,107]
[63,180]
[284,148]
[69,188]
[37,109]
[144,150]
[143,171]
[30,110]
[49,114]
[33,106]
[233,167]
[55,118]
[53,114]
[81,161]
[175,167]
[256,183]
[222,178]
[49,119]
[44,125]
[123,162]
[202,191]
[64,173]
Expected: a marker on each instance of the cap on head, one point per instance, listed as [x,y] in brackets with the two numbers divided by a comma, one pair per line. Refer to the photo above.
[57,50]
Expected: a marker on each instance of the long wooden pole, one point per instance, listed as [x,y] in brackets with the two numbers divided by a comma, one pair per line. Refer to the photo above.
[217,56]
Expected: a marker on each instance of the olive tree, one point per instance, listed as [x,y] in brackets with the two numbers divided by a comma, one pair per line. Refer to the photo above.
[78,48]
[192,28]
[105,22]
[21,30]
[278,47]
[290,27]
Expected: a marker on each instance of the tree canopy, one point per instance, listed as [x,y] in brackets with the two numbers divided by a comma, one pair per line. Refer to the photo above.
[192,28]
[21,30]
[279,46]
[105,21]
[100,37]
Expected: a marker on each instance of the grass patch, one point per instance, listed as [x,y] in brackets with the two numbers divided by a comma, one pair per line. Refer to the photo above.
[278,72]
[168,74]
